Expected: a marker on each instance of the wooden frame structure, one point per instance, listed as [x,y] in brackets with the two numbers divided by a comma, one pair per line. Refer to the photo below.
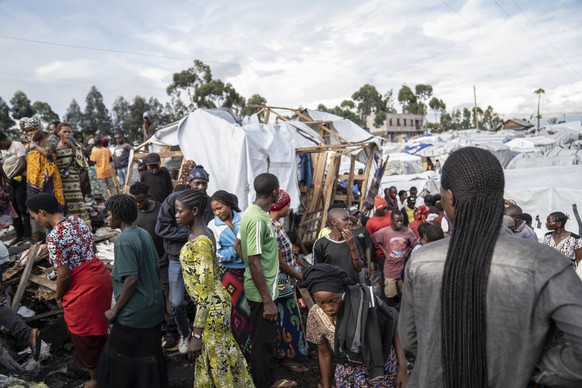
[326,160]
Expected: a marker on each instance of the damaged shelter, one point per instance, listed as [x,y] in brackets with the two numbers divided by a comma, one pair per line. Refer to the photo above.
[303,148]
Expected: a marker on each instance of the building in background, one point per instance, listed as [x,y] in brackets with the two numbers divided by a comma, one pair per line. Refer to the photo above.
[398,126]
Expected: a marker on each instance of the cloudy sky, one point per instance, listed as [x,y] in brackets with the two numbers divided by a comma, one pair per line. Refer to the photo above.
[298,52]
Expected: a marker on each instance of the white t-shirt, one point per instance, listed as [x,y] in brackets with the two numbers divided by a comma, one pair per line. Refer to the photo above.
[16,148]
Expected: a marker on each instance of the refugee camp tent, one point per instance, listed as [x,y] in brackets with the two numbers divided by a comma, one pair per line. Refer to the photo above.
[234,155]
[543,190]
[530,144]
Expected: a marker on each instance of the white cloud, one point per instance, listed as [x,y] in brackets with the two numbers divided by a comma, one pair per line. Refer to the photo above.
[300,53]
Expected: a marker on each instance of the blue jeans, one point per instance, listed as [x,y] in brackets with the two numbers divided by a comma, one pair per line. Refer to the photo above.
[121,176]
[176,295]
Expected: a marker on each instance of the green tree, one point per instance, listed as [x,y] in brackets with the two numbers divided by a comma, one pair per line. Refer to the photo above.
[184,83]
[438,107]
[197,89]
[216,94]
[255,99]
[45,112]
[539,92]
[96,118]
[5,119]
[423,92]
[21,106]
[74,116]
[121,114]
[491,120]
[371,102]
[467,122]
[414,102]
[553,120]
[407,99]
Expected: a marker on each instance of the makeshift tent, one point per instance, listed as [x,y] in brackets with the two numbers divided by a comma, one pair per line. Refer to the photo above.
[235,154]
[541,191]
[530,144]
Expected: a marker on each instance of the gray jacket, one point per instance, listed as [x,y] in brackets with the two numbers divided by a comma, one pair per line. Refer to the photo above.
[531,286]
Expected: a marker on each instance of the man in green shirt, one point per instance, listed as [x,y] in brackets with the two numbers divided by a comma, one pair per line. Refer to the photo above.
[261,256]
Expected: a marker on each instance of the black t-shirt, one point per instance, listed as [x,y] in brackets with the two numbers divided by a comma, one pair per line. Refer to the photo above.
[160,184]
[326,250]
[363,239]
[147,221]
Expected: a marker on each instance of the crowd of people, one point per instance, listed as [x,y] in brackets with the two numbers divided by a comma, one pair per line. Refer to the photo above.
[455,278]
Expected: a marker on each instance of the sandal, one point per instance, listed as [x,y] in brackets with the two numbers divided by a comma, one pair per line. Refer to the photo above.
[284,383]
[36,345]
[296,368]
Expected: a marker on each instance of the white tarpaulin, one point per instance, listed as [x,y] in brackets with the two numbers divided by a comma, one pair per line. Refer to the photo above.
[541,191]
[235,155]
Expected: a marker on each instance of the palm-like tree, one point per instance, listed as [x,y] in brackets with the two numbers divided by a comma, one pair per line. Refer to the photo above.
[539,92]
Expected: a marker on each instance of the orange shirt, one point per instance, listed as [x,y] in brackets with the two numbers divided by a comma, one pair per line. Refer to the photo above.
[102,157]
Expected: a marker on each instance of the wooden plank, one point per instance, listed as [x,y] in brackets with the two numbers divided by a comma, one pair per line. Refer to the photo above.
[329,189]
[351,181]
[24,278]
[320,161]
[43,282]
[364,193]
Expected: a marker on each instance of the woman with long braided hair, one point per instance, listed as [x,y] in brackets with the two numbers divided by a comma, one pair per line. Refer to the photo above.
[478,307]
[133,355]
[218,359]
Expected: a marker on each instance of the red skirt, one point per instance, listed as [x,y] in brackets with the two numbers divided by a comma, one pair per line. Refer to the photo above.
[87,299]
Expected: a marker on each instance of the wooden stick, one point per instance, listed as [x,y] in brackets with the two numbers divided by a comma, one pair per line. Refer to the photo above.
[24,278]
[44,315]
[43,282]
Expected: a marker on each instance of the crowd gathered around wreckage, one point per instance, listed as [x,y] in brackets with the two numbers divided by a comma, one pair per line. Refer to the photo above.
[379,282]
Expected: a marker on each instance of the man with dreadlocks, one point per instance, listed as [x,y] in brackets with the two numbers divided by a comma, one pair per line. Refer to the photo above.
[478,307]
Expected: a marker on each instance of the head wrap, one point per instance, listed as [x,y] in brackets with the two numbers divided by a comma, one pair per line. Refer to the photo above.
[198,172]
[226,198]
[284,200]
[32,122]
[326,277]
[147,114]
[379,202]
[421,213]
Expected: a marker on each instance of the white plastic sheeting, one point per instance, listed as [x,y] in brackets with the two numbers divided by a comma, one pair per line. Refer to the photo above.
[530,144]
[541,191]
[235,155]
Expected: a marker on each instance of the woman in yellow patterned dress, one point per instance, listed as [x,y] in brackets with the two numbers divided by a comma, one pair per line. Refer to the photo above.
[219,360]
[42,174]
[70,160]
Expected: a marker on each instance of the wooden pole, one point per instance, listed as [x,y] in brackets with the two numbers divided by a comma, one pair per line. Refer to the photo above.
[475,110]
[24,277]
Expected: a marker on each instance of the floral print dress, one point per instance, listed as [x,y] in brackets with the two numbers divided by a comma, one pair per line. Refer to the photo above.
[221,363]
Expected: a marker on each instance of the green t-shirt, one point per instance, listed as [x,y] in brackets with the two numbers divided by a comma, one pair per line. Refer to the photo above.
[258,238]
[135,253]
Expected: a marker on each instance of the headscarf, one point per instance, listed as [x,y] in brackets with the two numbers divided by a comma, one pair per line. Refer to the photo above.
[326,277]
[379,202]
[198,172]
[421,213]
[32,122]
[284,200]
[226,198]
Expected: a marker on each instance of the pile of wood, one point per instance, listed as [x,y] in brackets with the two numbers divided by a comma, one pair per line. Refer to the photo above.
[30,273]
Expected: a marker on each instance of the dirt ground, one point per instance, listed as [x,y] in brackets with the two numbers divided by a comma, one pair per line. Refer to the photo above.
[61,370]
